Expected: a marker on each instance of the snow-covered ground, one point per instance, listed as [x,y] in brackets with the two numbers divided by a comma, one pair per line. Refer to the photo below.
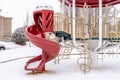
[68,69]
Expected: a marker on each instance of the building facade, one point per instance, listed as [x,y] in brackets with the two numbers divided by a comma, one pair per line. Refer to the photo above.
[5,27]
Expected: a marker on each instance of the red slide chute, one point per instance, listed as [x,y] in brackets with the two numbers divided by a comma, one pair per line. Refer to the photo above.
[36,34]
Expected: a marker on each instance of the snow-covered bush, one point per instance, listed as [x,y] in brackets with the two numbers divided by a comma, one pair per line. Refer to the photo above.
[19,36]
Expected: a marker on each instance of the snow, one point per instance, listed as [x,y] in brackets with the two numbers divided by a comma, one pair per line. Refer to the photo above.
[67,69]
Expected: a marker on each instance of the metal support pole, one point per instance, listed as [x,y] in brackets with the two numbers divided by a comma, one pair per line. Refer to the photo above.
[63,7]
[69,15]
[73,22]
[100,26]
[94,54]
[87,22]
[100,23]
[69,10]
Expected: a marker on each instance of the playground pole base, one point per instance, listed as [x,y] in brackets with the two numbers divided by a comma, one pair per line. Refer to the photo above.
[34,72]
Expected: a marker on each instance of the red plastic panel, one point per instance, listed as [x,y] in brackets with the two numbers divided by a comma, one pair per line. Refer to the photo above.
[44,18]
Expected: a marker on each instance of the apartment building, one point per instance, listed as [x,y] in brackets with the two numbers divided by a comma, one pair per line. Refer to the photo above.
[5,27]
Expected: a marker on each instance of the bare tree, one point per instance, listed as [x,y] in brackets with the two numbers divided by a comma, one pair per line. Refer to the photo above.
[27,23]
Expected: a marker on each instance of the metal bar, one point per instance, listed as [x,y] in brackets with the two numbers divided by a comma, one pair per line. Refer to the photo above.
[73,21]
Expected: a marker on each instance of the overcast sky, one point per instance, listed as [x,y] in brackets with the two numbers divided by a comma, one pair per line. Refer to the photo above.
[18,9]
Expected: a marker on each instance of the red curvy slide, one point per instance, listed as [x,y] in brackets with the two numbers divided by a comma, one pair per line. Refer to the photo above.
[36,35]
[49,48]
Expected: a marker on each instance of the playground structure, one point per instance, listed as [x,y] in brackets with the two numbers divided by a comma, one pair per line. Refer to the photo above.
[91,33]
[95,33]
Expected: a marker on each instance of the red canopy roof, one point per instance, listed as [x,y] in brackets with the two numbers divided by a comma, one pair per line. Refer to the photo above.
[92,3]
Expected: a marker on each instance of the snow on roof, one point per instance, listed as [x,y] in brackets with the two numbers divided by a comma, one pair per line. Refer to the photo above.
[44,7]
